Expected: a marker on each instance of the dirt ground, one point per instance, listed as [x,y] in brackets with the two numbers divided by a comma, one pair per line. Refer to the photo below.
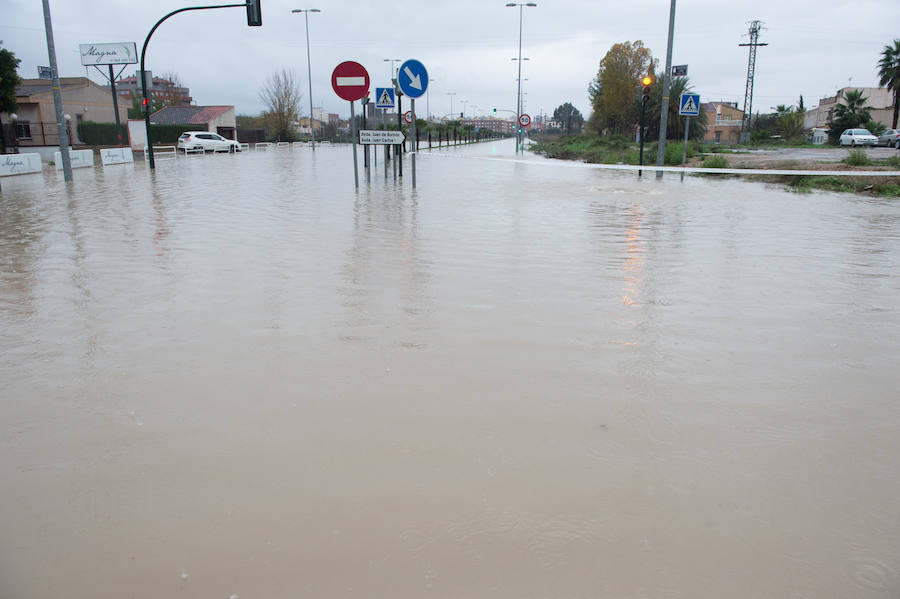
[802,157]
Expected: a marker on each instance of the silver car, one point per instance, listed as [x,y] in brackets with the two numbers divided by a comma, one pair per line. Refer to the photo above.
[858,137]
[890,138]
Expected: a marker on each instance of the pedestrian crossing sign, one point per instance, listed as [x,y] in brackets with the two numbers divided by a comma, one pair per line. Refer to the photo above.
[689,105]
[384,97]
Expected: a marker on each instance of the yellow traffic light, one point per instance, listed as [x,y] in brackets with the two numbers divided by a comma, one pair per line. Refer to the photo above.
[646,81]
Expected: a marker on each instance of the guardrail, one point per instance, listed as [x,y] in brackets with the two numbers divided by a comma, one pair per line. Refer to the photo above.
[164,152]
[191,151]
[298,143]
[245,147]
[283,144]
[263,145]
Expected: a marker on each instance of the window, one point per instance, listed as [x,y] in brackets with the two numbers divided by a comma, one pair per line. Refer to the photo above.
[718,136]
[23,130]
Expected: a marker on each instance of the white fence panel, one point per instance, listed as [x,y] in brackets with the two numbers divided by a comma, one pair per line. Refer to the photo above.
[78,158]
[116,156]
[19,164]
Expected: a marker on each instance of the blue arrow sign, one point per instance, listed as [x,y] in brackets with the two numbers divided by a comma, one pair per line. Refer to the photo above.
[384,97]
[412,78]
[689,105]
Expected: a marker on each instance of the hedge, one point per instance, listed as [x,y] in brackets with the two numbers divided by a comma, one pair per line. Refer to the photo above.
[104,134]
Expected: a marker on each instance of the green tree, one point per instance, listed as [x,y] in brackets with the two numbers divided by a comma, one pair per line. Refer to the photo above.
[889,73]
[570,117]
[615,90]
[851,114]
[9,80]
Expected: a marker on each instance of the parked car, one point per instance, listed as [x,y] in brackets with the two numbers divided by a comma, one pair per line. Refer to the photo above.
[890,138]
[206,141]
[858,137]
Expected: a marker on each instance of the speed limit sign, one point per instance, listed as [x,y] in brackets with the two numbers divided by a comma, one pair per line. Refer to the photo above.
[407,116]
[524,120]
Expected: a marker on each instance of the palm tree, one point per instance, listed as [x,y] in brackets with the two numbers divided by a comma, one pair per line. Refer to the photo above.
[889,71]
[675,126]
[854,109]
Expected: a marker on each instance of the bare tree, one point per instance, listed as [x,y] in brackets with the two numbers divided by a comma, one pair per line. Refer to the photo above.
[282,96]
[172,90]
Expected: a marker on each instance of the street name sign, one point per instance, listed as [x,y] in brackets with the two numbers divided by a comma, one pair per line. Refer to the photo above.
[121,53]
[45,73]
[384,97]
[381,137]
[524,120]
[412,78]
[350,81]
[679,70]
[689,105]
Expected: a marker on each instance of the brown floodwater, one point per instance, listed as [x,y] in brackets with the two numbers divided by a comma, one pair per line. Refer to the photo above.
[240,377]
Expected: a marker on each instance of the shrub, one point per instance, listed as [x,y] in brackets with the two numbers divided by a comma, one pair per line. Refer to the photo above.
[99,134]
[715,162]
[857,157]
[893,161]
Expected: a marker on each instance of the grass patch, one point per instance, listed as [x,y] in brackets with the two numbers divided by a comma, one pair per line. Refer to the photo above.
[893,161]
[857,157]
[803,183]
[715,162]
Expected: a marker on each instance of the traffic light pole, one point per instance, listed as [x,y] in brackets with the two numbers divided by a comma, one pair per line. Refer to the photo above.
[145,104]
[643,107]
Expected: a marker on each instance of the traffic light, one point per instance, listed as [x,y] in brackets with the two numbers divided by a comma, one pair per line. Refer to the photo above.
[254,13]
[646,81]
[146,104]
[495,111]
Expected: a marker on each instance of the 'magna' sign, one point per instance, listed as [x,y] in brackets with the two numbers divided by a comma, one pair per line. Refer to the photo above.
[19,164]
[120,53]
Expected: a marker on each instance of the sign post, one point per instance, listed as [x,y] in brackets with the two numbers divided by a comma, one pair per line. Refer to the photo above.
[122,53]
[688,106]
[412,78]
[350,82]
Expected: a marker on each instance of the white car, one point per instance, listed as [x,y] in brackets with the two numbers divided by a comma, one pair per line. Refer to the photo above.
[858,137]
[206,141]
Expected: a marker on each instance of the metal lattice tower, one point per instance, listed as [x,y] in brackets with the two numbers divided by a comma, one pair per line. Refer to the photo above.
[755,26]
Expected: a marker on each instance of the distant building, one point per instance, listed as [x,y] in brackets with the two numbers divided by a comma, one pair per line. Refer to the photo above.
[879,103]
[218,119]
[334,119]
[83,100]
[164,90]
[723,122]
[497,125]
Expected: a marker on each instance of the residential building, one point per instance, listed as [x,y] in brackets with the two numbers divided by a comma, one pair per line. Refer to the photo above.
[879,103]
[83,100]
[498,125]
[723,122]
[160,88]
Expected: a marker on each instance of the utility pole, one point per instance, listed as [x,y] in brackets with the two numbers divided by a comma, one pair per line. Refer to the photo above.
[753,32]
[664,106]
[62,133]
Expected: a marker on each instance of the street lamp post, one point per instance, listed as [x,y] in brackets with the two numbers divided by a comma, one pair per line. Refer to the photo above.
[428,99]
[312,128]
[451,94]
[464,102]
[392,61]
[521,6]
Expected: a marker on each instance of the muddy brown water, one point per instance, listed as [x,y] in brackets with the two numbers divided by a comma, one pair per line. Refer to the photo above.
[239,377]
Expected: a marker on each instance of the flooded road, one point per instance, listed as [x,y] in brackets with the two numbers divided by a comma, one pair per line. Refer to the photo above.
[240,377]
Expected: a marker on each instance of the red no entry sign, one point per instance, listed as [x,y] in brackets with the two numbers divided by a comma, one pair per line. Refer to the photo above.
[350,81]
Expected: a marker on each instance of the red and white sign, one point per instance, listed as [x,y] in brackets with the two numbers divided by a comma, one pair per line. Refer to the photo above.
[407,116]
[524,120]
[350,81]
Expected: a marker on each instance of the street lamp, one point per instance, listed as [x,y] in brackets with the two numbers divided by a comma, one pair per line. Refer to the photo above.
[521,6]
[428,98]
[464,102]
[392,61]
[451,94]
[312,128]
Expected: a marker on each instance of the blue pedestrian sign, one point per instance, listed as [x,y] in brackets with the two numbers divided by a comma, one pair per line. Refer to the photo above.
[412,78]
[384,97]
[689,105]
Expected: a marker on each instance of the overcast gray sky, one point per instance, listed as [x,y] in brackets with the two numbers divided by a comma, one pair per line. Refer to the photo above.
[814,47]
